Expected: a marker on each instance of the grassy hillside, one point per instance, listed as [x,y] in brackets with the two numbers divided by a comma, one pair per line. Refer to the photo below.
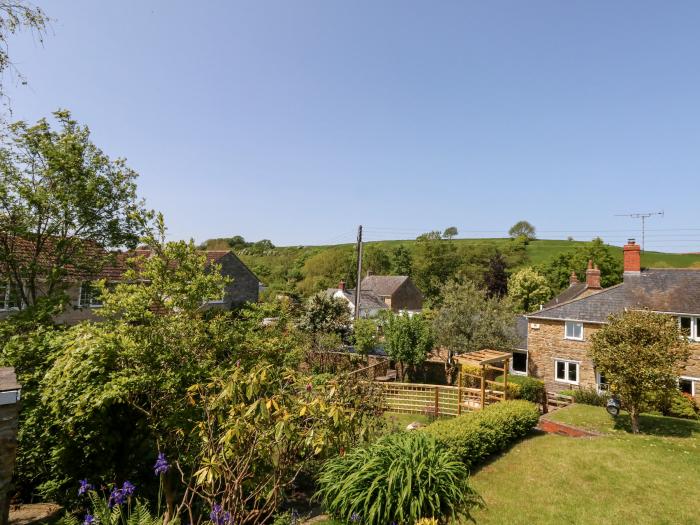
[278,265]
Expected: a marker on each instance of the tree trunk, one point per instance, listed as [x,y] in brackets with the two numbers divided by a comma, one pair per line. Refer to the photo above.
[634,418]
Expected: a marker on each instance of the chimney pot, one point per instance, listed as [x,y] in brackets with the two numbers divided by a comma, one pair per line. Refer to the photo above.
[632,257]
[572,278]
[341,285]
[593,276]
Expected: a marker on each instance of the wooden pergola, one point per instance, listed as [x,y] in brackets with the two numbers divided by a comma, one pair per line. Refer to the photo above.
[485,360]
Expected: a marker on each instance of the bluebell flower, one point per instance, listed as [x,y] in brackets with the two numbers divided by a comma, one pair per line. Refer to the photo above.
[162,465]
[84,487]
[218,517]
[128,488]
[354,517]
[89,519]
[116,497]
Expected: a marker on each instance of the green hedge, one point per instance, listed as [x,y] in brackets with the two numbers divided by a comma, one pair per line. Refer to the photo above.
[477,435]
[529,388]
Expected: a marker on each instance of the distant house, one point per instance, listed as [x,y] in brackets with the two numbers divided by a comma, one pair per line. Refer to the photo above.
[84,300]
[396,291]
[558,336]
[370,304]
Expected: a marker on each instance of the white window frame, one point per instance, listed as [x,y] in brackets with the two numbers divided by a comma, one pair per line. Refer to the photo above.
[601,387]
[567,363]
[5,300]
[566,330]
[518,372]
[693,384]
[694,327]
[80,296]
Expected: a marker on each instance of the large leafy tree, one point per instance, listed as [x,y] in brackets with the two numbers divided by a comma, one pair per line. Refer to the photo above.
[114,392]
[558,270]
[640,353]
[435,261]
[469,320]
[408,340]
[376,260]
[528,289]
[401,261]
[523,230]
[62,200]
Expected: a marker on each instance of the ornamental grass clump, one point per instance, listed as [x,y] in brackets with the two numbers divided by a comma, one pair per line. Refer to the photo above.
[399,479]
[475,436]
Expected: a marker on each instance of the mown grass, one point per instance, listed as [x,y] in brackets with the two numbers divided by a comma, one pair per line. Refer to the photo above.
[653,478]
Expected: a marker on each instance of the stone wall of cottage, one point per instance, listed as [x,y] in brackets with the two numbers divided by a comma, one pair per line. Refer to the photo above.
[547,343]
[407,297]
[8,446]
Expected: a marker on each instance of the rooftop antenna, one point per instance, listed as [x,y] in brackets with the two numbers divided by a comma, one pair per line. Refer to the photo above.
[644,216]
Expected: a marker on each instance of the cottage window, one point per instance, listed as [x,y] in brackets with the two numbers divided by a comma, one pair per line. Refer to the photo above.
[566,371]
[10,298]
[687,385]
[573,330]
[90,295]
[690,327]
[601,383]
[518,364]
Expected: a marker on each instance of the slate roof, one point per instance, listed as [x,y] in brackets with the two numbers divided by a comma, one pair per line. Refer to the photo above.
[571,293]
[368,299]
[383,285]
[661,290]
[8,381]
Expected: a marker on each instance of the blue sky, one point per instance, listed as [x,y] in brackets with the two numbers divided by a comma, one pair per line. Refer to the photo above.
[298,120]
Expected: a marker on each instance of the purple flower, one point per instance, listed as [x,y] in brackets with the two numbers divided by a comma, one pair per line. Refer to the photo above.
[218,516]
[354,517]
[84,487]
[162,465]
[89,519]
[116,497]
[128,488]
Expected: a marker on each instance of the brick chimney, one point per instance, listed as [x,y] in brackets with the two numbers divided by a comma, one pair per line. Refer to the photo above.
[593,276]
[632,257]
[341,286]
[572,278]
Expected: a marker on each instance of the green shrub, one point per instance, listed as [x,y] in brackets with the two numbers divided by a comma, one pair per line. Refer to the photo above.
[400,478]
[530,389]
[477,435]
[588,396]
[684,406]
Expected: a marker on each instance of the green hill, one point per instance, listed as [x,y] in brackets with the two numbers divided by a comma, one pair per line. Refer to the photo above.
[281,267]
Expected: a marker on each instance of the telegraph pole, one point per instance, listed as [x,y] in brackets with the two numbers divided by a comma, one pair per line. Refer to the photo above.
[359,272]
[644,217]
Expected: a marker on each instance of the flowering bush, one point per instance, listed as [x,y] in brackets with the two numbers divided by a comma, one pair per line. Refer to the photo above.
[119,508]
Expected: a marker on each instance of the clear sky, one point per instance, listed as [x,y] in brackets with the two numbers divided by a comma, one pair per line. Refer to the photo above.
[298,120]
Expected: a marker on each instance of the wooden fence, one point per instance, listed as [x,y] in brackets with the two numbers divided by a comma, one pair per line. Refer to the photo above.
[436,400]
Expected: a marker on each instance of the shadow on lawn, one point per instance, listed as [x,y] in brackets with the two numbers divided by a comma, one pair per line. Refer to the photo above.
[659,425]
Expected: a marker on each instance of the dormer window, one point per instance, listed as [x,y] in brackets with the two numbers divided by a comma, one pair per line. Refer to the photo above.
[573,330]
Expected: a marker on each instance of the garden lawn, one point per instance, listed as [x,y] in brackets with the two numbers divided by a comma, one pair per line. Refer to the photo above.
[652,478]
